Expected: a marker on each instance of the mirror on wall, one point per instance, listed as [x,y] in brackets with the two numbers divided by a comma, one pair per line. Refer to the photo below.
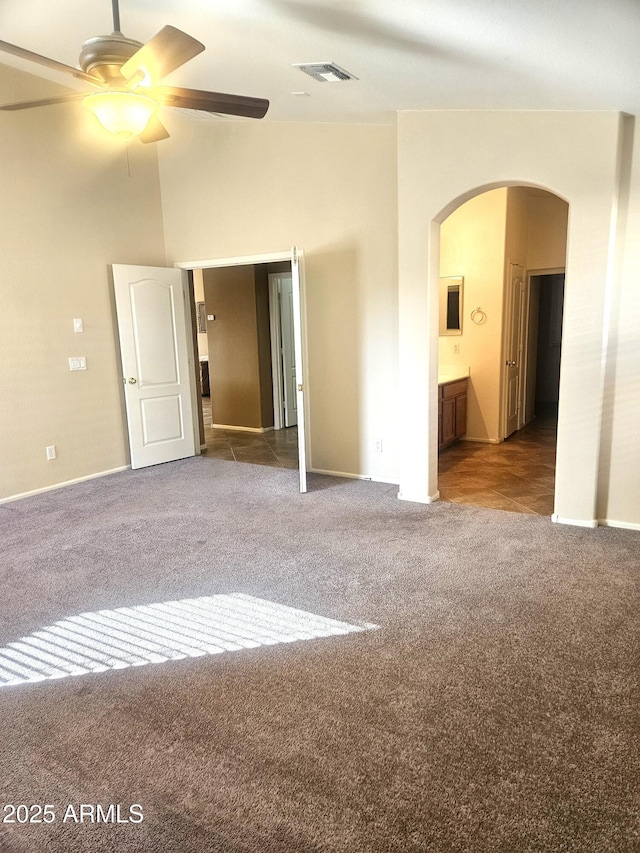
[451,288]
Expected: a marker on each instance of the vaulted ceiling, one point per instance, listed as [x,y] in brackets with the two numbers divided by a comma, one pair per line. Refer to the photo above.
[408,54]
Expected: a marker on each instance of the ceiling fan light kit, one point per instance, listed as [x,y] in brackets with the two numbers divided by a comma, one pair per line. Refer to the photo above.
[122,112]
[126,72]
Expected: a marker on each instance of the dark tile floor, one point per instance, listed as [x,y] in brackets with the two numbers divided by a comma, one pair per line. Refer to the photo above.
[278,448]
[517,475]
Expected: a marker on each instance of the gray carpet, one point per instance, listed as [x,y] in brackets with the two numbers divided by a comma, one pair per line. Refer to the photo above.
[495,709]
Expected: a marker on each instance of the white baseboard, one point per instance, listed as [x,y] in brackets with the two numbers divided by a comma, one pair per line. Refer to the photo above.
[63,485]
[482,440]
[575,522]
[348,476]
[419,499]
[625,525]
[242,428]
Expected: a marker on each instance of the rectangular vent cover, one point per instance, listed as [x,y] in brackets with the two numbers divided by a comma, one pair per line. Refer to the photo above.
[325,72]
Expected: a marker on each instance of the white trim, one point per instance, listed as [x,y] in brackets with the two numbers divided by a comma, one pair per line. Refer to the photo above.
[624,525]
[347,476]
[267,258]
[64,484]
[481,440]
[276,347]
[302,367]
[550,271]
[241,428]
[188,295]
[419,499]
[575,522]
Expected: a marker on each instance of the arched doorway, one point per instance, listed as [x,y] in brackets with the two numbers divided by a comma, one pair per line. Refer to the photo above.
[503,254]
[448,157]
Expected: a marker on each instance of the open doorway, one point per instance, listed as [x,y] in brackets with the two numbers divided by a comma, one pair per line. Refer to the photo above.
[507,352]
[233,339]
[247,363]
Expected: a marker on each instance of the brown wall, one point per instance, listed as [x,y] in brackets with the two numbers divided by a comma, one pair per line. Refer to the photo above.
[239,346]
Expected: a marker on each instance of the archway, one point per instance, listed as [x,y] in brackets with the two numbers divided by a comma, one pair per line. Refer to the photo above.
[446,158]
[491,387]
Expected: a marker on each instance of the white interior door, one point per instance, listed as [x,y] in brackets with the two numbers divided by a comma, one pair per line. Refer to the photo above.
[297,285]
[154,329]
[514,350]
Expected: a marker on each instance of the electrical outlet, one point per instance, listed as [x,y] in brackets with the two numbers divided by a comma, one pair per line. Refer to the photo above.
[456,349]
[51,452]
[378,445]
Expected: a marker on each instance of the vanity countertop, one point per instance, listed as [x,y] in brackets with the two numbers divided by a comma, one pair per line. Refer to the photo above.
[452,374]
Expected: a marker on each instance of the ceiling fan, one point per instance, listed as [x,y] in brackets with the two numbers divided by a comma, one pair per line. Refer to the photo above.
[126,73]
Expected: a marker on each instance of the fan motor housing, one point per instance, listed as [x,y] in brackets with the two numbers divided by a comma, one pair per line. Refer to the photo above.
[104,56]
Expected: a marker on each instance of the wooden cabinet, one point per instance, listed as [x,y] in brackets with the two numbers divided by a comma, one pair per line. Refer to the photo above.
[452,411]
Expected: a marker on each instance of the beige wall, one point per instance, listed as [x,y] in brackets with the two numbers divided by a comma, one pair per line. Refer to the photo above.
[575,155]
[71,205]
[239,350]
[239,188]
[619,486]
[547,232]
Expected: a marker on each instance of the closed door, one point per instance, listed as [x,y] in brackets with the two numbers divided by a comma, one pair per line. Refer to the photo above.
[154,346]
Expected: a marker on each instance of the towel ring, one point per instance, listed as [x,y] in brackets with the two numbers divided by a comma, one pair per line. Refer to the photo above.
[478,316]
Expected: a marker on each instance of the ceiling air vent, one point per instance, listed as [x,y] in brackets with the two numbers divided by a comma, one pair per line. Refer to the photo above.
[325,72]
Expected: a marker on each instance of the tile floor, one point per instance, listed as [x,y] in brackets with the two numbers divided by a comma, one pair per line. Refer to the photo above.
[517,475]
[278,448]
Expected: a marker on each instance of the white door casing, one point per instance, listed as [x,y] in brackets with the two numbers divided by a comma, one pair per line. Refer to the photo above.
[297,283]
[155,341]
[288,352]
[515,333]
[296,257]
[283,366]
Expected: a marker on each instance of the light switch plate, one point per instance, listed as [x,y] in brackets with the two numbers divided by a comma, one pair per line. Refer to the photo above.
[78,363]
[77,324]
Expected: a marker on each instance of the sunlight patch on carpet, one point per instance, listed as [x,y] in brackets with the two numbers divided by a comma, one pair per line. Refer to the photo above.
[156,633]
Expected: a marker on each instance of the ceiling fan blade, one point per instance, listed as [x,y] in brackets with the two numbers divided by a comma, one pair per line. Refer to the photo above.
[211,102]
[43,102]
[48,63]
[166,51]
[155,131]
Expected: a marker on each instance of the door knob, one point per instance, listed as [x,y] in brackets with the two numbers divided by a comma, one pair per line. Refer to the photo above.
[132,381]
[509,364]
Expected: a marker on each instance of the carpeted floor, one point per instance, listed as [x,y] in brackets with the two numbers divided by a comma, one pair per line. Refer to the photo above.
[495,708]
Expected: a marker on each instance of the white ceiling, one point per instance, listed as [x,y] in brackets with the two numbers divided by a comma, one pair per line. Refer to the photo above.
[407,54]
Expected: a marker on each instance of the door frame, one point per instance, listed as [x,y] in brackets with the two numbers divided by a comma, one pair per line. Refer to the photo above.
[532,341]
[288,255]
[277,372]
[507,343]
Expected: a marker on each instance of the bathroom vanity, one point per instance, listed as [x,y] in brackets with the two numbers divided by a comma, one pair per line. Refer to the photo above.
[452,408]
